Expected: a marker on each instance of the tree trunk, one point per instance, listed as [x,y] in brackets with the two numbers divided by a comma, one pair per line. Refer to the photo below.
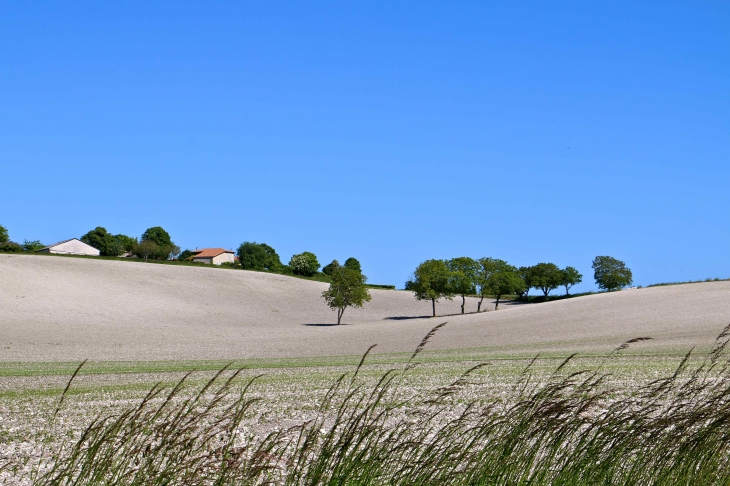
[433,302]
[496,305]
[463,303]
[479,304]
[567,290]
[339,315]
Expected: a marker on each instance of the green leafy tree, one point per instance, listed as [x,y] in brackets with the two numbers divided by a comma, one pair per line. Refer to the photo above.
[327,269]
[4,238]
[31,246]
[126,243]
[546,277]
[10,247]
[526,275]
[353,264]
[485,268]
[346,290]
[161,239]
[498,278]
[610,273]
[305,264]
[431,282]
[147,249]
[571,277]
[102,240]
[258,256]
[157,235]
[505,281]
[462,280]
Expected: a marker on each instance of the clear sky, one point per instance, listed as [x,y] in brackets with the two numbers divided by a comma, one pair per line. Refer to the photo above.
[390,131]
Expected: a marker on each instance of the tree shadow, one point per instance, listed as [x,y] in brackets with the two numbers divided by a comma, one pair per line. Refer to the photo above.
[403,318]
[322,324]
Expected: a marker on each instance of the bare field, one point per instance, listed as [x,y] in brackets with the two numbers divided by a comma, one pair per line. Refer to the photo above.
[69,309]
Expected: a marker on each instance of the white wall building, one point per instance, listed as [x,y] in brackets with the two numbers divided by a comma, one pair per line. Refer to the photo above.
[70,247]
[214,256]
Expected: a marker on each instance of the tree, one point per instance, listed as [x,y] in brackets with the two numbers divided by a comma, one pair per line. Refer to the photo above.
[431,282]
[526,275]
[258,256]
[346,290]
[327,269]
[571,276]
[485,268]
[462,280]
[126,243]
[161,239]
[147,249]
[10,247]
[174,251]
[157,235]
[497,277]
[353,264]
[304,264]
[102,240]
[4,238]
[546,277]
[610,273]
[504,281]
[31,246]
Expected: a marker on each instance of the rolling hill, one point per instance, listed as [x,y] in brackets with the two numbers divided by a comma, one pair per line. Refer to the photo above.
[62,309]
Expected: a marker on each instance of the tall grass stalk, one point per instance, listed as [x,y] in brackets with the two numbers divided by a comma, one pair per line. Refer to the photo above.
[573,427]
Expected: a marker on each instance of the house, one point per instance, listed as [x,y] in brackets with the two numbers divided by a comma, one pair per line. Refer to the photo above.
[214,256]
[70,247]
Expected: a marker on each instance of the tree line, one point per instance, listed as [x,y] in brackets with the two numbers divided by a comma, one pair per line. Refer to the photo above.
[491,277]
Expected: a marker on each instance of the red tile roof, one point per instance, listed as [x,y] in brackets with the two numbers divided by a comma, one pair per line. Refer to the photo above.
[209,252]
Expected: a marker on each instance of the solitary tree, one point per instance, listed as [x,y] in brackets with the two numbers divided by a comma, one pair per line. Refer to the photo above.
[462,279]
[102,240]
[571,276]
[431,282]
[504,280]
[546,277]
[304,264]
[4,238]
[327,269]
[258,256]
[526,275]
[346,290]
[610,273]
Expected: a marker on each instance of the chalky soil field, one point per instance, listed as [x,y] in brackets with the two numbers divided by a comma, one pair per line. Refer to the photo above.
[142,324]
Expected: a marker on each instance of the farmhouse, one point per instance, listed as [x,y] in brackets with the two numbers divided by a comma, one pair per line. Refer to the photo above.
[70,247]
[214,256]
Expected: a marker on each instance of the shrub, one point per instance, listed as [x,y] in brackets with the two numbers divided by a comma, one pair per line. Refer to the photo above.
[11,247]
[305,264]
[31,246]
[258,256]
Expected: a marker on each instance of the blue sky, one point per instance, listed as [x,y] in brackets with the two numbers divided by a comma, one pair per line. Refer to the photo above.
[390,131]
